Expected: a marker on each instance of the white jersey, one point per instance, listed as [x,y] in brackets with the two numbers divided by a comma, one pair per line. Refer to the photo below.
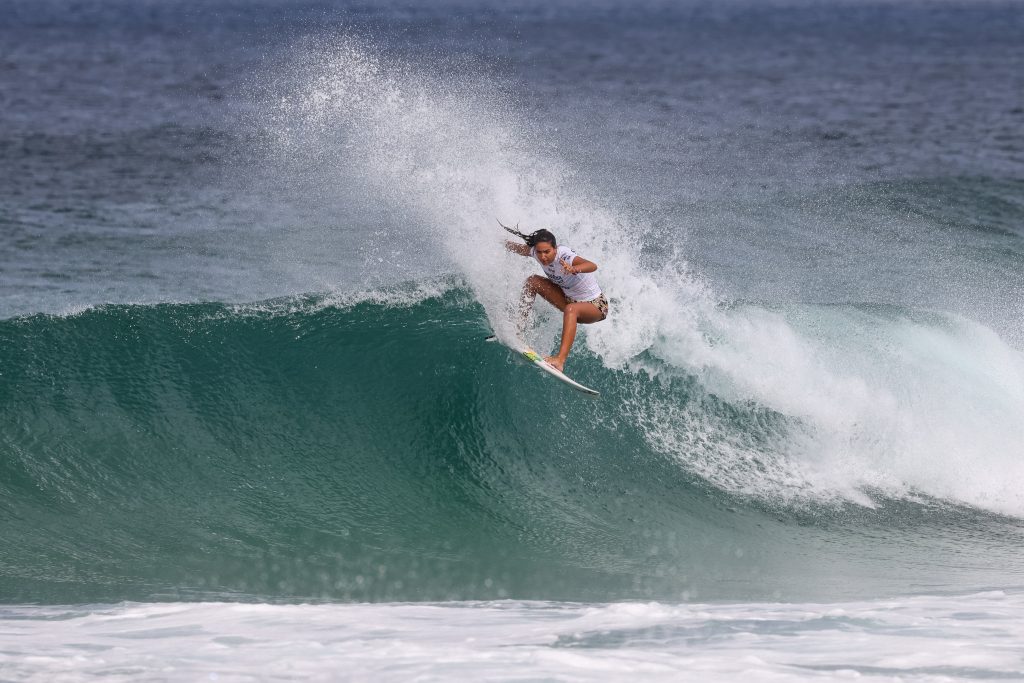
[579,286]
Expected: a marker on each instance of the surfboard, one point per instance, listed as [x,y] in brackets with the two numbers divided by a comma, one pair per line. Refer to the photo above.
[536,359]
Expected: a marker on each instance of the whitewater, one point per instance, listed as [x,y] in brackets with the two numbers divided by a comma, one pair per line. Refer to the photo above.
[886,641]
[250,429]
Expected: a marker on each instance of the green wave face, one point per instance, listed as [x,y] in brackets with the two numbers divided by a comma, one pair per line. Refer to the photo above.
[308,451]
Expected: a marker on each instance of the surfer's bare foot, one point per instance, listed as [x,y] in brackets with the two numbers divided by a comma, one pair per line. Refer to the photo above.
[555,362]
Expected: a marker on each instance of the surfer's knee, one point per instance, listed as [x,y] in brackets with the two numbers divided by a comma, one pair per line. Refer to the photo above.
[533,283]
[571,310]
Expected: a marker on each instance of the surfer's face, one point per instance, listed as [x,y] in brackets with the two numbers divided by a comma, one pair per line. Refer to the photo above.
[545,253]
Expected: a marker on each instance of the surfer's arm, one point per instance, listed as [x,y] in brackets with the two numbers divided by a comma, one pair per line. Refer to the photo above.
[579,265]
[517,248]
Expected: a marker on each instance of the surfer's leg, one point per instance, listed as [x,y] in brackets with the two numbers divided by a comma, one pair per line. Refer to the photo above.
[534,285]
[578,311]
[551,292]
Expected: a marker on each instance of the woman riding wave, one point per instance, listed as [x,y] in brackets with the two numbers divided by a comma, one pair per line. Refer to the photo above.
[570,286]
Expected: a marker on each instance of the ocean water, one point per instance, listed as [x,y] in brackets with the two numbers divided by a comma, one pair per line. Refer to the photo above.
[249,429]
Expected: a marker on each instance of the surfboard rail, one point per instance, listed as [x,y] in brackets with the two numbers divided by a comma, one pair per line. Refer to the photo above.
[538,360]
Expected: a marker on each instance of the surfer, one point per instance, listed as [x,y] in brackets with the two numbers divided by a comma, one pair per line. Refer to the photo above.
[570,286]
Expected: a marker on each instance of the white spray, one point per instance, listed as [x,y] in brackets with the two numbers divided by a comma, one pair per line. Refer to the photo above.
[855,399]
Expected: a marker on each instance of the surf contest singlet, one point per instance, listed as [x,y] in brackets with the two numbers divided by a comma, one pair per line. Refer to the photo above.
[578,286]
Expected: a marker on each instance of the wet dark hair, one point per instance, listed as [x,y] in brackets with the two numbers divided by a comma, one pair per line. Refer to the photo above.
[534,238]
[542,235]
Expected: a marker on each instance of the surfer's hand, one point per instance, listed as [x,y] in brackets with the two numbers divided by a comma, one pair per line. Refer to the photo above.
[568,267]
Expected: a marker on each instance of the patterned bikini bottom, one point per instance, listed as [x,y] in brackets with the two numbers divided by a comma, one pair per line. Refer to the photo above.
[600,302]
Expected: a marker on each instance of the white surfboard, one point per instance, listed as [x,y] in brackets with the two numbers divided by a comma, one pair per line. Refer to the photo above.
[532,356]
[538,360]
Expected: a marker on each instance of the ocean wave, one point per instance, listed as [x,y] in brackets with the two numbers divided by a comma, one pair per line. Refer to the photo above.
[383,451]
